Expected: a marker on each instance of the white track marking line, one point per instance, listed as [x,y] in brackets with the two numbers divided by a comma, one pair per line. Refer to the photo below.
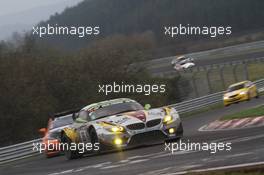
[156,172]
[112,166]
[62,172]
[138,161]
[203,128]
[254,121]
[239,155]
[226,124]
[246,123]
[81,168]
[224,139]
[240,122]
[218,168]
[243,139]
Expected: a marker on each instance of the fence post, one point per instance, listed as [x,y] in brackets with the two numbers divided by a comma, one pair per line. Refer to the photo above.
[222,76]
[245,70]
[208,80]
[194,85]
[234,72]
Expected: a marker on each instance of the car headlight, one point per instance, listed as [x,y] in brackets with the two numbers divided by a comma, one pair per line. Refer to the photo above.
[242,93]
[117,129]
[225,98]
[168,119]
[112,127]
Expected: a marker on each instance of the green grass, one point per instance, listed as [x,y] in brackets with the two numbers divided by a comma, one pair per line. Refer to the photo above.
[202,110]
[229,173]
[233,173]
[220,105]
[253,170]
[253,112]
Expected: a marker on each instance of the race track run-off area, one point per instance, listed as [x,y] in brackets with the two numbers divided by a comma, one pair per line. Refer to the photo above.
[246,143]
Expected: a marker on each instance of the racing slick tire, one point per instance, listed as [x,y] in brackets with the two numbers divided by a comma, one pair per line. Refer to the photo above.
[94,139]
[180,130]
[248,96]
[70,154]
[257,94]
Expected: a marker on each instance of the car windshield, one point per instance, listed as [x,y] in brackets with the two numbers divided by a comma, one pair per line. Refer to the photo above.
[62,121]
[115,109]
[181,58]
[237,87]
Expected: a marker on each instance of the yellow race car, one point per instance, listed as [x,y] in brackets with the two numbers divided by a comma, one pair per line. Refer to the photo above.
[241,91]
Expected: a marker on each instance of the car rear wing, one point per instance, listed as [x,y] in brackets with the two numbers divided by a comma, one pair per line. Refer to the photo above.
[68,112]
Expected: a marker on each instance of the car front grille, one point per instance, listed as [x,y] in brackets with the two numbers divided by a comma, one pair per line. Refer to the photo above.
[136,126]
[153,123]
[147,137]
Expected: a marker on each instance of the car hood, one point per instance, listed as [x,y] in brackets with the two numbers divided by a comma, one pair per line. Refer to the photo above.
[140,116]
[235,92]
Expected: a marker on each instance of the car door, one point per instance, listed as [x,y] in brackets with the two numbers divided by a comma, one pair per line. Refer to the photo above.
[83,126]
[251,88]
[254,89]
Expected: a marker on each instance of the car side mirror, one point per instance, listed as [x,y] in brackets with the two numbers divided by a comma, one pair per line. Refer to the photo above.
[43,130]
[147,106]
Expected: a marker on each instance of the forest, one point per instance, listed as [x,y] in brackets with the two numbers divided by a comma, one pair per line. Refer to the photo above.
[37,82]
[134,17]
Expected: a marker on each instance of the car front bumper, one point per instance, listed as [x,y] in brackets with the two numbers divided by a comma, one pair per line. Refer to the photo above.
[236,99]
[156,134]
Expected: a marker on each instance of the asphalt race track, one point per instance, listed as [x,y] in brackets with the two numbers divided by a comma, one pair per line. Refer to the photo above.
[247,147]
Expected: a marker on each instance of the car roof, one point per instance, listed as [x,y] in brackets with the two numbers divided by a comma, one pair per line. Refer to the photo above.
[63,117]
[180,57]
[239,83]
[107,103]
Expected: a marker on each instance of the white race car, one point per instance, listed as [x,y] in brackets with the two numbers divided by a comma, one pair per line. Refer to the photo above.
[122,123]
[181,60]
[188,65]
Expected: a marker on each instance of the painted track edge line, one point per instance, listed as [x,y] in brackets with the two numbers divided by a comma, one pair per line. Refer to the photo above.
[202,129]
[218,168]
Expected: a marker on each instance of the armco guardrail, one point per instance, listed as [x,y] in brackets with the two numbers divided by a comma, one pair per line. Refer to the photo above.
[198,103]
[18,151]
[223,52]
[22,150]
[207,101]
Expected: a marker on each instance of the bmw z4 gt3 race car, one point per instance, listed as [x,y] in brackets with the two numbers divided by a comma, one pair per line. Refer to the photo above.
[119,124]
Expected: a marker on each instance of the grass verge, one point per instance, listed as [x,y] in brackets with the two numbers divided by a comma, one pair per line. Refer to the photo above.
[252,112]
[202,110]
[255,170]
